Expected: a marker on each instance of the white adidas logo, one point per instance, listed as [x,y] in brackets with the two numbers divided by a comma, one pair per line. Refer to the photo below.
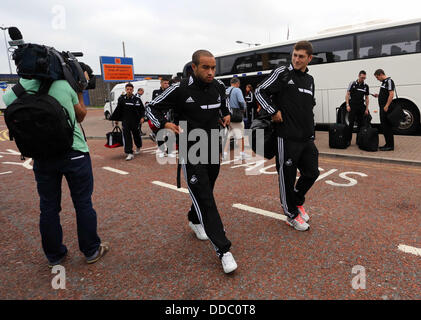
[291,82]
[190,100]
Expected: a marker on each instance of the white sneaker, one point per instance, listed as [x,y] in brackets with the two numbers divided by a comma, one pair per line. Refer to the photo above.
[199,231]
[137,151]
[172,155]
[228,262]
[130,156]
[161,155]
[225,156]
[298,223]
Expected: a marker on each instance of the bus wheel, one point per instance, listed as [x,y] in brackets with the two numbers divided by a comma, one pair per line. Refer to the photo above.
[411,123]
[107,115]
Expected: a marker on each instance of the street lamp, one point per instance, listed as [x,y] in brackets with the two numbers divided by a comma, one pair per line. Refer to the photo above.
[7,52]
[249,44]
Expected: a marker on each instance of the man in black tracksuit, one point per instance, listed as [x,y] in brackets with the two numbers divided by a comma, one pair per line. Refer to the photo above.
[288,95]
[167,113]
[199,103]
[386,95]
[133,115]
[358,91]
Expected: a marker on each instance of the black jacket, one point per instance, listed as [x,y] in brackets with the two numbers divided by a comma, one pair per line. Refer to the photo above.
[200,104]
[128,109]
[291,92]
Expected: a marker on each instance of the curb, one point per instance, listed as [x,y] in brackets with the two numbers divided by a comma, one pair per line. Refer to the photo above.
[335,155]
[371,159]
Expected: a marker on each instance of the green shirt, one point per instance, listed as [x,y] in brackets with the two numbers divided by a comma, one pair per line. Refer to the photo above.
[65,95]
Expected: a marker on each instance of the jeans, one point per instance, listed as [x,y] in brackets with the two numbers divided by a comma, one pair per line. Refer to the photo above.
[76,167]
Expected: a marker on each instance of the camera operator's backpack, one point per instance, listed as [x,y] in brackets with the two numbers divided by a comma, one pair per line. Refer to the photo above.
[39,124]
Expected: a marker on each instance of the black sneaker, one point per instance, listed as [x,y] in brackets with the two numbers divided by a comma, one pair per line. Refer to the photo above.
[58,262]
[386,148]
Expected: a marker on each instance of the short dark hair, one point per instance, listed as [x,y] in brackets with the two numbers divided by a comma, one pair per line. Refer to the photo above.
[362,72]
[379,72]
[140,89]
[129,85]
[235,80]
[304,45]
[196,56]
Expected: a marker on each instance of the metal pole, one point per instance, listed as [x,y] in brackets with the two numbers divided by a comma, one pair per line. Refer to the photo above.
[111,105]
[124,50]
[7,52]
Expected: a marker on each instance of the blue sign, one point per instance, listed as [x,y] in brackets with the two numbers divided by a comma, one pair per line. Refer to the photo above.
[3,85]
[117,69]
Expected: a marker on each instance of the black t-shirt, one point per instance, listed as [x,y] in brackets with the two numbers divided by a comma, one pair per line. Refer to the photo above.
[358,91]
[387,86]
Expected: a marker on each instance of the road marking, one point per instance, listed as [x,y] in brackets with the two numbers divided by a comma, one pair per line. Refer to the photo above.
[408,249]
[115,170]
[4,173]
[260,211]
[146,149]
[170,186]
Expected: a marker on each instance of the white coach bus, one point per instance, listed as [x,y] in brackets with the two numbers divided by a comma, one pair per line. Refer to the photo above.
[339,55]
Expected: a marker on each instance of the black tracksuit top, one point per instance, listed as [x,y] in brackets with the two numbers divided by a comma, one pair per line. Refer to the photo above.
[358,91]
[387,85]
[198,103]
[291,92]
[133,109]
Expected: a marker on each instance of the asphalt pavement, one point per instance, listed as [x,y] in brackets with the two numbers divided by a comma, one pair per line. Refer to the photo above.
[364,241]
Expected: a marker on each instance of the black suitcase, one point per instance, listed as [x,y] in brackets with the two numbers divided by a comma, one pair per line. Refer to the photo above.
[368,139]
[337,136]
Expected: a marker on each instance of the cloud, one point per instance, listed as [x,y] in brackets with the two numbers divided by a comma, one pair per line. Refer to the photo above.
[161,36]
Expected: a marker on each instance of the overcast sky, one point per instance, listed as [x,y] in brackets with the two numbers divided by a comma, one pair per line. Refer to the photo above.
[161,36]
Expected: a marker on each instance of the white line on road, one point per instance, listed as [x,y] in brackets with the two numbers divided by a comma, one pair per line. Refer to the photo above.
[115,170]
[260,211]
[170,186]
[408,249]
[4,173]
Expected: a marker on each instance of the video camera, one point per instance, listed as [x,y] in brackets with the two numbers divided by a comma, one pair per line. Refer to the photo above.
[44,63]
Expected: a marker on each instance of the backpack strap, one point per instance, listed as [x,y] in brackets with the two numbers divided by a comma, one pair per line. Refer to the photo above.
[19,90]
[45,87]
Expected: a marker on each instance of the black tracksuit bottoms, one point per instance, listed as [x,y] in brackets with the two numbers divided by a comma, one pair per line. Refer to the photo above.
[356,114]
[291,156]
[131,127]
[201,180]
[387,128]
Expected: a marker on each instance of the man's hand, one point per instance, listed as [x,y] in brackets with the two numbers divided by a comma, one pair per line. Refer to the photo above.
[375,95]
[142,120]
[367,112]
[348,108]
[173,127]
[277,117]
[386,109]
[226,121]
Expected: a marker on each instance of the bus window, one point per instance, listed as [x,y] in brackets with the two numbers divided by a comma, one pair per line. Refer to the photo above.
[333,50]
[388,42]
[271,58]
[237,63]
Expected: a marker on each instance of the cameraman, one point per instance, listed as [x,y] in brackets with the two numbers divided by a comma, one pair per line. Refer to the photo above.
[76,167]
